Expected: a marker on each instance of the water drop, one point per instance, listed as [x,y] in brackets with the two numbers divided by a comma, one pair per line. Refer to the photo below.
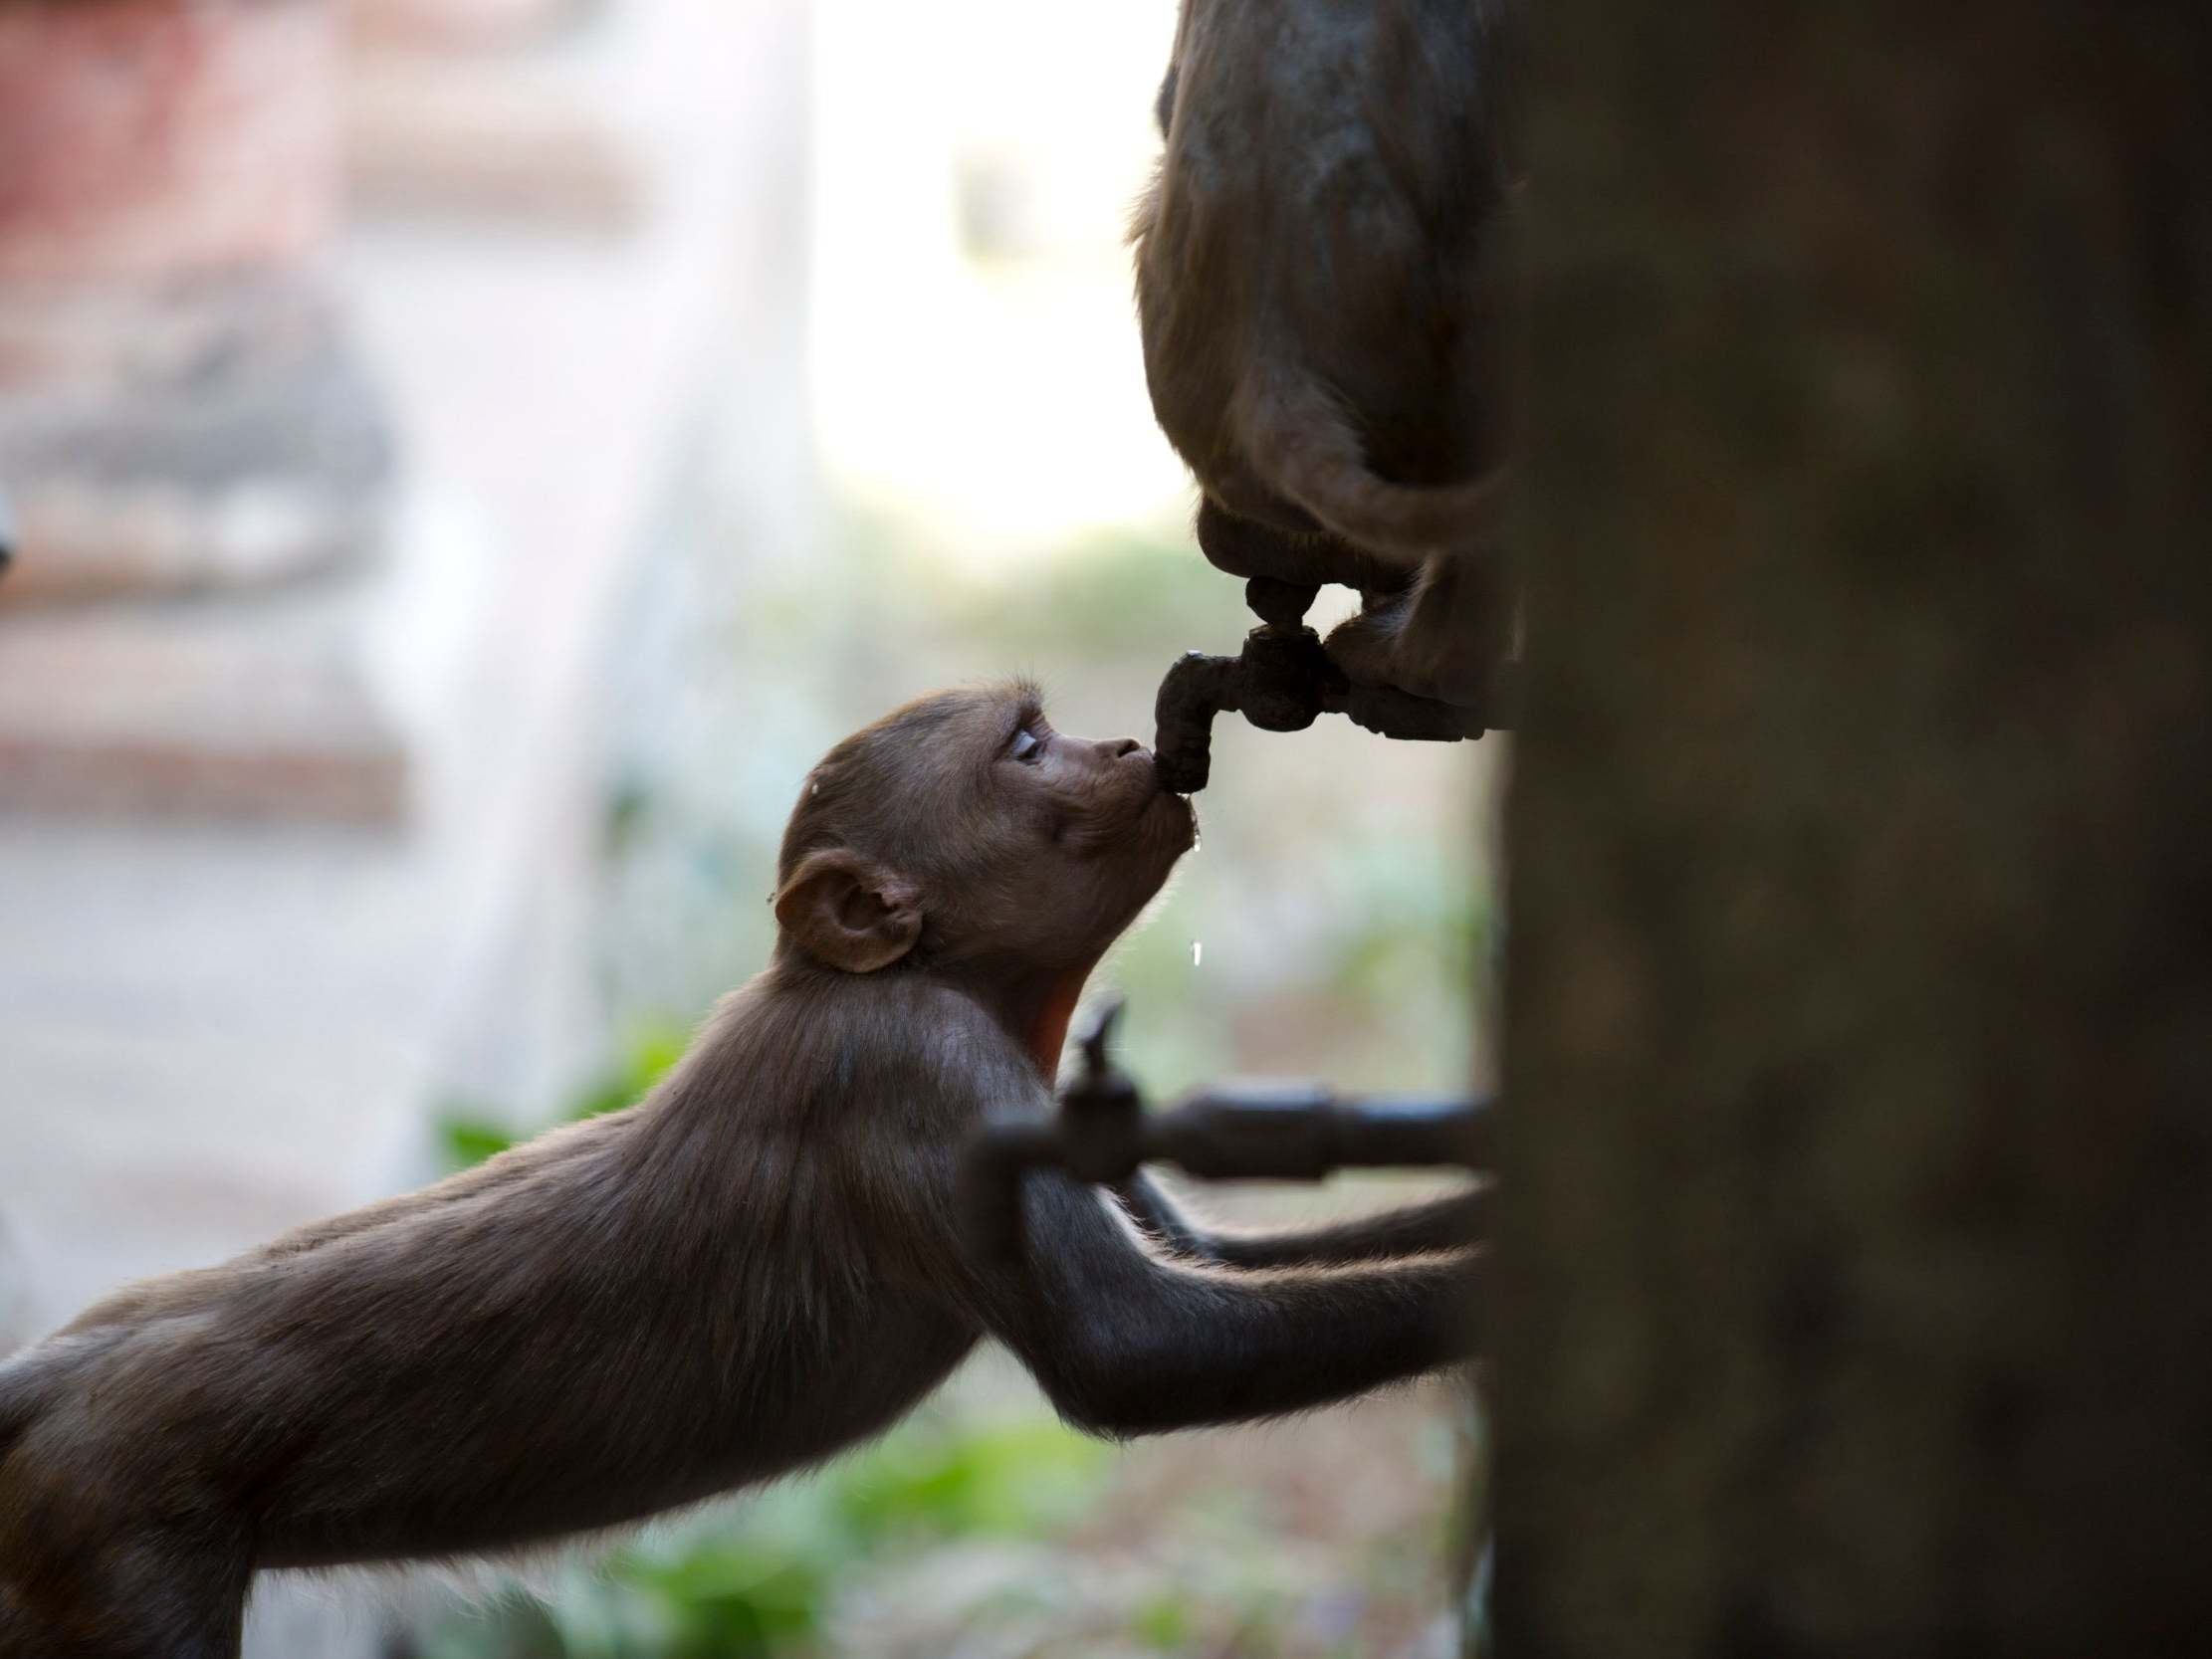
[1198,952]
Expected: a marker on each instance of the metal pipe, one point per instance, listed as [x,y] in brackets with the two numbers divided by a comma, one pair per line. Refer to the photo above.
[1244,1131]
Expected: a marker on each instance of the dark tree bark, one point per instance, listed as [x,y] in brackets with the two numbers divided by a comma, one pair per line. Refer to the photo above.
[1856,1232]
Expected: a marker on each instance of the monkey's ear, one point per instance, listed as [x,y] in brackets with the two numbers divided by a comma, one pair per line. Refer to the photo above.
[849,913]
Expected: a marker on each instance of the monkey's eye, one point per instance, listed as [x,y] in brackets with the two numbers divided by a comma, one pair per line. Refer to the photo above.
[1026,746]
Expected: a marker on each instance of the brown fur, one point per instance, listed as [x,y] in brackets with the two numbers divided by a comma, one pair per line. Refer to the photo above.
[1317,287]
[754,1266]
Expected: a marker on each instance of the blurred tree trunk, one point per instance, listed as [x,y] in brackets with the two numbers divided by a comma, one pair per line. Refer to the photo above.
[1857,1255]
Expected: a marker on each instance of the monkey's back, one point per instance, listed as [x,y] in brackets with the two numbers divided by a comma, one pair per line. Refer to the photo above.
[619,1319]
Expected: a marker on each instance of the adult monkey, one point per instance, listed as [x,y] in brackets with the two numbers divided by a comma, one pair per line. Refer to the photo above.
[1318,286]
[753,1267]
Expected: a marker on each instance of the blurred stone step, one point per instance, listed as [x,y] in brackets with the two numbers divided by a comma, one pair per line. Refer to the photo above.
[193,709]
[183,435]
[544,135]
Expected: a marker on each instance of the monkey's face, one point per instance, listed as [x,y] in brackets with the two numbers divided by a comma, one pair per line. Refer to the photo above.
[1086,833]
[965,827]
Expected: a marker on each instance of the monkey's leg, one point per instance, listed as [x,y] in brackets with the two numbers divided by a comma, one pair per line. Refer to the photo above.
[1126,1343]
[1441,637]
[1444,1223]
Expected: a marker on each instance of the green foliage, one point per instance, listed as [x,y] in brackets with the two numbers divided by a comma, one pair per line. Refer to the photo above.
[1164,1622]
[1004,1479]
[757,1579]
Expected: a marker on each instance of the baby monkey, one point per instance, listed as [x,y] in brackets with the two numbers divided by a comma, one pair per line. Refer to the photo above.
[754,1266]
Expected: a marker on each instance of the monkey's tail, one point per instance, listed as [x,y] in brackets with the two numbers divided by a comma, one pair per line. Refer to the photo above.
[1310,453]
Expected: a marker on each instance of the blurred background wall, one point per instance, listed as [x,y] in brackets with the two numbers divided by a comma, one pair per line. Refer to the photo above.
[472,456]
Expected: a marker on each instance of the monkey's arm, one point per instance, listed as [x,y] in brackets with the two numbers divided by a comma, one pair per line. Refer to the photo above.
[1444,1223]
[1125,1342]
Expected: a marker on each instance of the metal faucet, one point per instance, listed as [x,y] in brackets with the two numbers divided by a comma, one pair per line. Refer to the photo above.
[1282,680]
